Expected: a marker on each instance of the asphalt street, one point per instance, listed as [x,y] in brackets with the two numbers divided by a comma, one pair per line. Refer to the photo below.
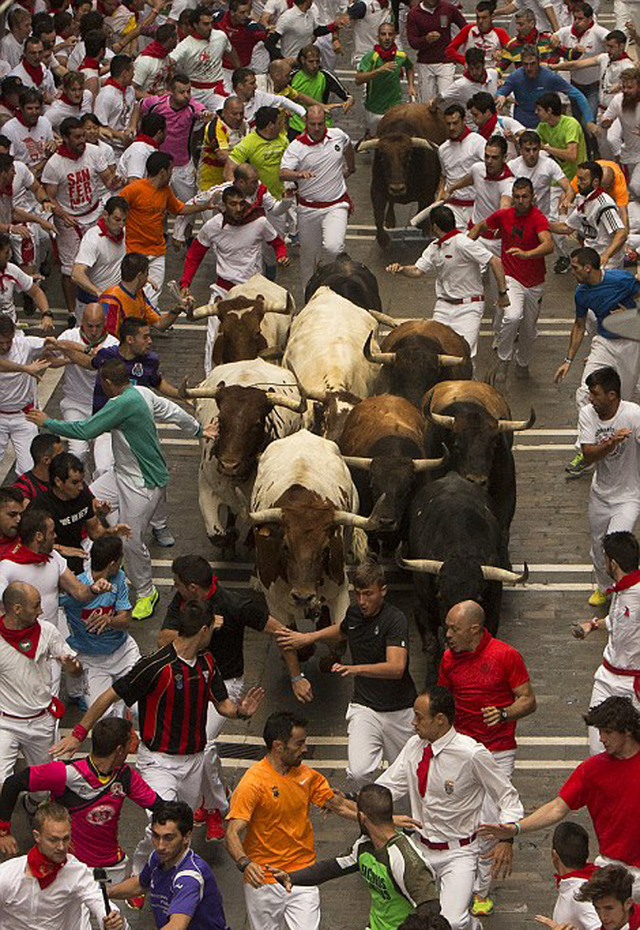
[549,533]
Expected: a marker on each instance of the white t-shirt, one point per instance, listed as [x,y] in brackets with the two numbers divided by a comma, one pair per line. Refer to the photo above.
[623,646]
[459,263]
[200,60]
[488,193]
[28,143]
[79,382]
[79,52]
[77,181]
[12,279]
[238,249]
[596,219]
[45,576]
[47,85]
[11,50]
[18,389]
[629,120]
[102,257]
[610,72]
[150,74]
[462,89]
[593,42]
[133,161]
[325,160]
[25,684]
[365,30]
[60,110]
[21,188]
[114,108]
[617,475]
[275,9]
[263,98]
[296,30]
[545,173]
[456,159]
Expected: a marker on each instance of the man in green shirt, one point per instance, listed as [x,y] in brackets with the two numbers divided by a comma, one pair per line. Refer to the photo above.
[263,148]
[140,473]
[394,868]
[380,70]
[562,136]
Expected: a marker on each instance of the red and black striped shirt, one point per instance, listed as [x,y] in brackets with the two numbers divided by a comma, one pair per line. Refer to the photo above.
[173,696]
[30,485]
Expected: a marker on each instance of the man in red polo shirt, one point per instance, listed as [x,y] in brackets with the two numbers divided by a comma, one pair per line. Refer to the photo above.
[243,33]
[526,239]
[492,690]
[606,784]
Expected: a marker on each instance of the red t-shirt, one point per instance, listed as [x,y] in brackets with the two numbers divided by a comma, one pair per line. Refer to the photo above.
[484,678]
[608,788]
[520,232]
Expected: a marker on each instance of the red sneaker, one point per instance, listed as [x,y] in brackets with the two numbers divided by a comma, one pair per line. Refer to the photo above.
[215,827]
[137,903]
[200,816]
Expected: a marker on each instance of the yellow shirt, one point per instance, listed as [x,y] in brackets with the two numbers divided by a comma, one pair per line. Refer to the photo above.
[210,168]
[265,155]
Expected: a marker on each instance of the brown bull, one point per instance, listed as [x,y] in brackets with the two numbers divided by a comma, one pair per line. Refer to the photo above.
[406,167]
[418,354]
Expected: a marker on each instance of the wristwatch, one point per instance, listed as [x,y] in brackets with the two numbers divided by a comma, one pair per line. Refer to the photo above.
[503,713]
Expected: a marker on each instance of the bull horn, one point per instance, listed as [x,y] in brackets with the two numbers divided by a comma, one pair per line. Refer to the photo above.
[383,318]
[184,391]
[516,426]
[315,396]
[356,461]
[426,566]
[419,143]
[440,419]
[271,515]
[422,465]
[279,400]
[368,145]
[450,361]
[493,573]
[201,313]
[346,518]
[378,358]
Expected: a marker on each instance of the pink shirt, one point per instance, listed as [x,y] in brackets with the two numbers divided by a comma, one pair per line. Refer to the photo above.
[180,124]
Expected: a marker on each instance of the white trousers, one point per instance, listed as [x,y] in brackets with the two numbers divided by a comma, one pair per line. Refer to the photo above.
[174,778]
[271,908]
[608,517]
[183,181]
[505,760]
[626,12]
[213,790]
[621,354]
[16,427]
[102,454]
[519,320]
[157,267]
[607,684]
[100,672]
[33,738]
[464,319]
[373,736]
[213,325]
[601,861]
[455,872]
[433,80]
[634,170]
[321,230]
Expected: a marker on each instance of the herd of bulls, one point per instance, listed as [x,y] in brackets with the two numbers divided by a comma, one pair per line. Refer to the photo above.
[349,444]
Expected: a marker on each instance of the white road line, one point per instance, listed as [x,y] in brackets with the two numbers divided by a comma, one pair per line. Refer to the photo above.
[557,568]
[532,447]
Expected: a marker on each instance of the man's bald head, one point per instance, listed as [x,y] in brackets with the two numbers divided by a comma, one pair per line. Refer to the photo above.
[608,177]
[464,626]
[315,111]
[93,313]
[21,603]
[246,172]
[93,323]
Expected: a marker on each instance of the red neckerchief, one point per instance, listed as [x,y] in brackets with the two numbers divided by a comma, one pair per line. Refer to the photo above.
[260,192]
[590,197]
[104,231]
[42,868]
[506,173]
[486,131]
[449,235]
[66,152]
[22,555]
[6,542]
[585,873]
[483,80]
[89,64]
[24,641]
[155,49]
[253,212]
[611,60]
[576,34]
[306,139]
[21,119]
[141,137]
[482,645]
[463,135]
[531,38]
[111,82]
[386,54]
[11,107]
[627,581]
[35,73]
[70,103]
[102,335]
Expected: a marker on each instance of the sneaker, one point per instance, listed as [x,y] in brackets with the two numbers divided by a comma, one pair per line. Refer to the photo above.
[137,903]
[577,466]
[481,906]
[562,265]
[215,827]
[200,816]
[162,536]
[598,598]
[145,606]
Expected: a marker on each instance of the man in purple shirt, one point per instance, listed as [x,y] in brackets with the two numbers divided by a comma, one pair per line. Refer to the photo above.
[429,32]
[177,879]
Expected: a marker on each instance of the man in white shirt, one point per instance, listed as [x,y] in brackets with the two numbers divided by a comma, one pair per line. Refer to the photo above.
[99,257]
[625,107]
[485,120]
[73,101]
[32,72]
[476,78]
[445,775]
[30,133]
[115,106]
[199,57]
[619,673]
[152,67]
[151,135]
[319,161]
[12,44]
[543,171]
[591,38]
[13,279]
[245,88]
[570,857]
[492,181]
[457,154]
[298,26]
[20,370]
[459,264]
[50,888]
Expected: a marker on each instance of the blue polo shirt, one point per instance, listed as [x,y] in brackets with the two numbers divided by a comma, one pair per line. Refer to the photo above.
[526,90]
[188,888]
[617,288]
[108,603]
[143,370]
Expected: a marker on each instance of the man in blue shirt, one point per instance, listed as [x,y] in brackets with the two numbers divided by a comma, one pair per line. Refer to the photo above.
[531,81]
[603,292]
[179,881]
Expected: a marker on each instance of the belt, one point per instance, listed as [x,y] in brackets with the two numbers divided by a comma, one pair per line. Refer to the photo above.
[40,713]
[224,284]
[458,202]
[321,204]
[461,300]
[12,413]
[89,210]
[627,673]
[209,85]
[454,844]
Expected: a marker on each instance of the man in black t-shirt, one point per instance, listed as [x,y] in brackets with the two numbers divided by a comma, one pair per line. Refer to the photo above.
[71,504]
[380,715]
[193,579]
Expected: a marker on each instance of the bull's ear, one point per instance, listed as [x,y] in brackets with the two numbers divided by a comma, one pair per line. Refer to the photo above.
[335,569]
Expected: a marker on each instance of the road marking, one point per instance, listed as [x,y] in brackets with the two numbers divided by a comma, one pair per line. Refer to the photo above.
[534,567]
[530,447]
[568,587]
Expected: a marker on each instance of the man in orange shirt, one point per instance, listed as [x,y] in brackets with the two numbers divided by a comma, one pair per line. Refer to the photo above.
[613,183]
[129,299]
[269,825]
[150,200]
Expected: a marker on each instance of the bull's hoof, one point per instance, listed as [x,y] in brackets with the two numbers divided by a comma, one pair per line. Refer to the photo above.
[383,239]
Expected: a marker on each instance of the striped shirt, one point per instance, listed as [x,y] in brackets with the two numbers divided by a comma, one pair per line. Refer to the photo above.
[172,696]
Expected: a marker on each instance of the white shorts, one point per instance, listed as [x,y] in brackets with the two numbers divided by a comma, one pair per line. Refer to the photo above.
[68,240]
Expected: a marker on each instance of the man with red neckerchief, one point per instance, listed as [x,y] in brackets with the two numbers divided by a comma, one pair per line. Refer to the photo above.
[591,38]
[619,673]
[11,507]
[116,106]
[102,248]
[30,132]
[483,35]
[152,132]
[32,72]
[243,33]
[492,690]
[570,857]
[457,154]
[48,887]
[152,66]
[475,79]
